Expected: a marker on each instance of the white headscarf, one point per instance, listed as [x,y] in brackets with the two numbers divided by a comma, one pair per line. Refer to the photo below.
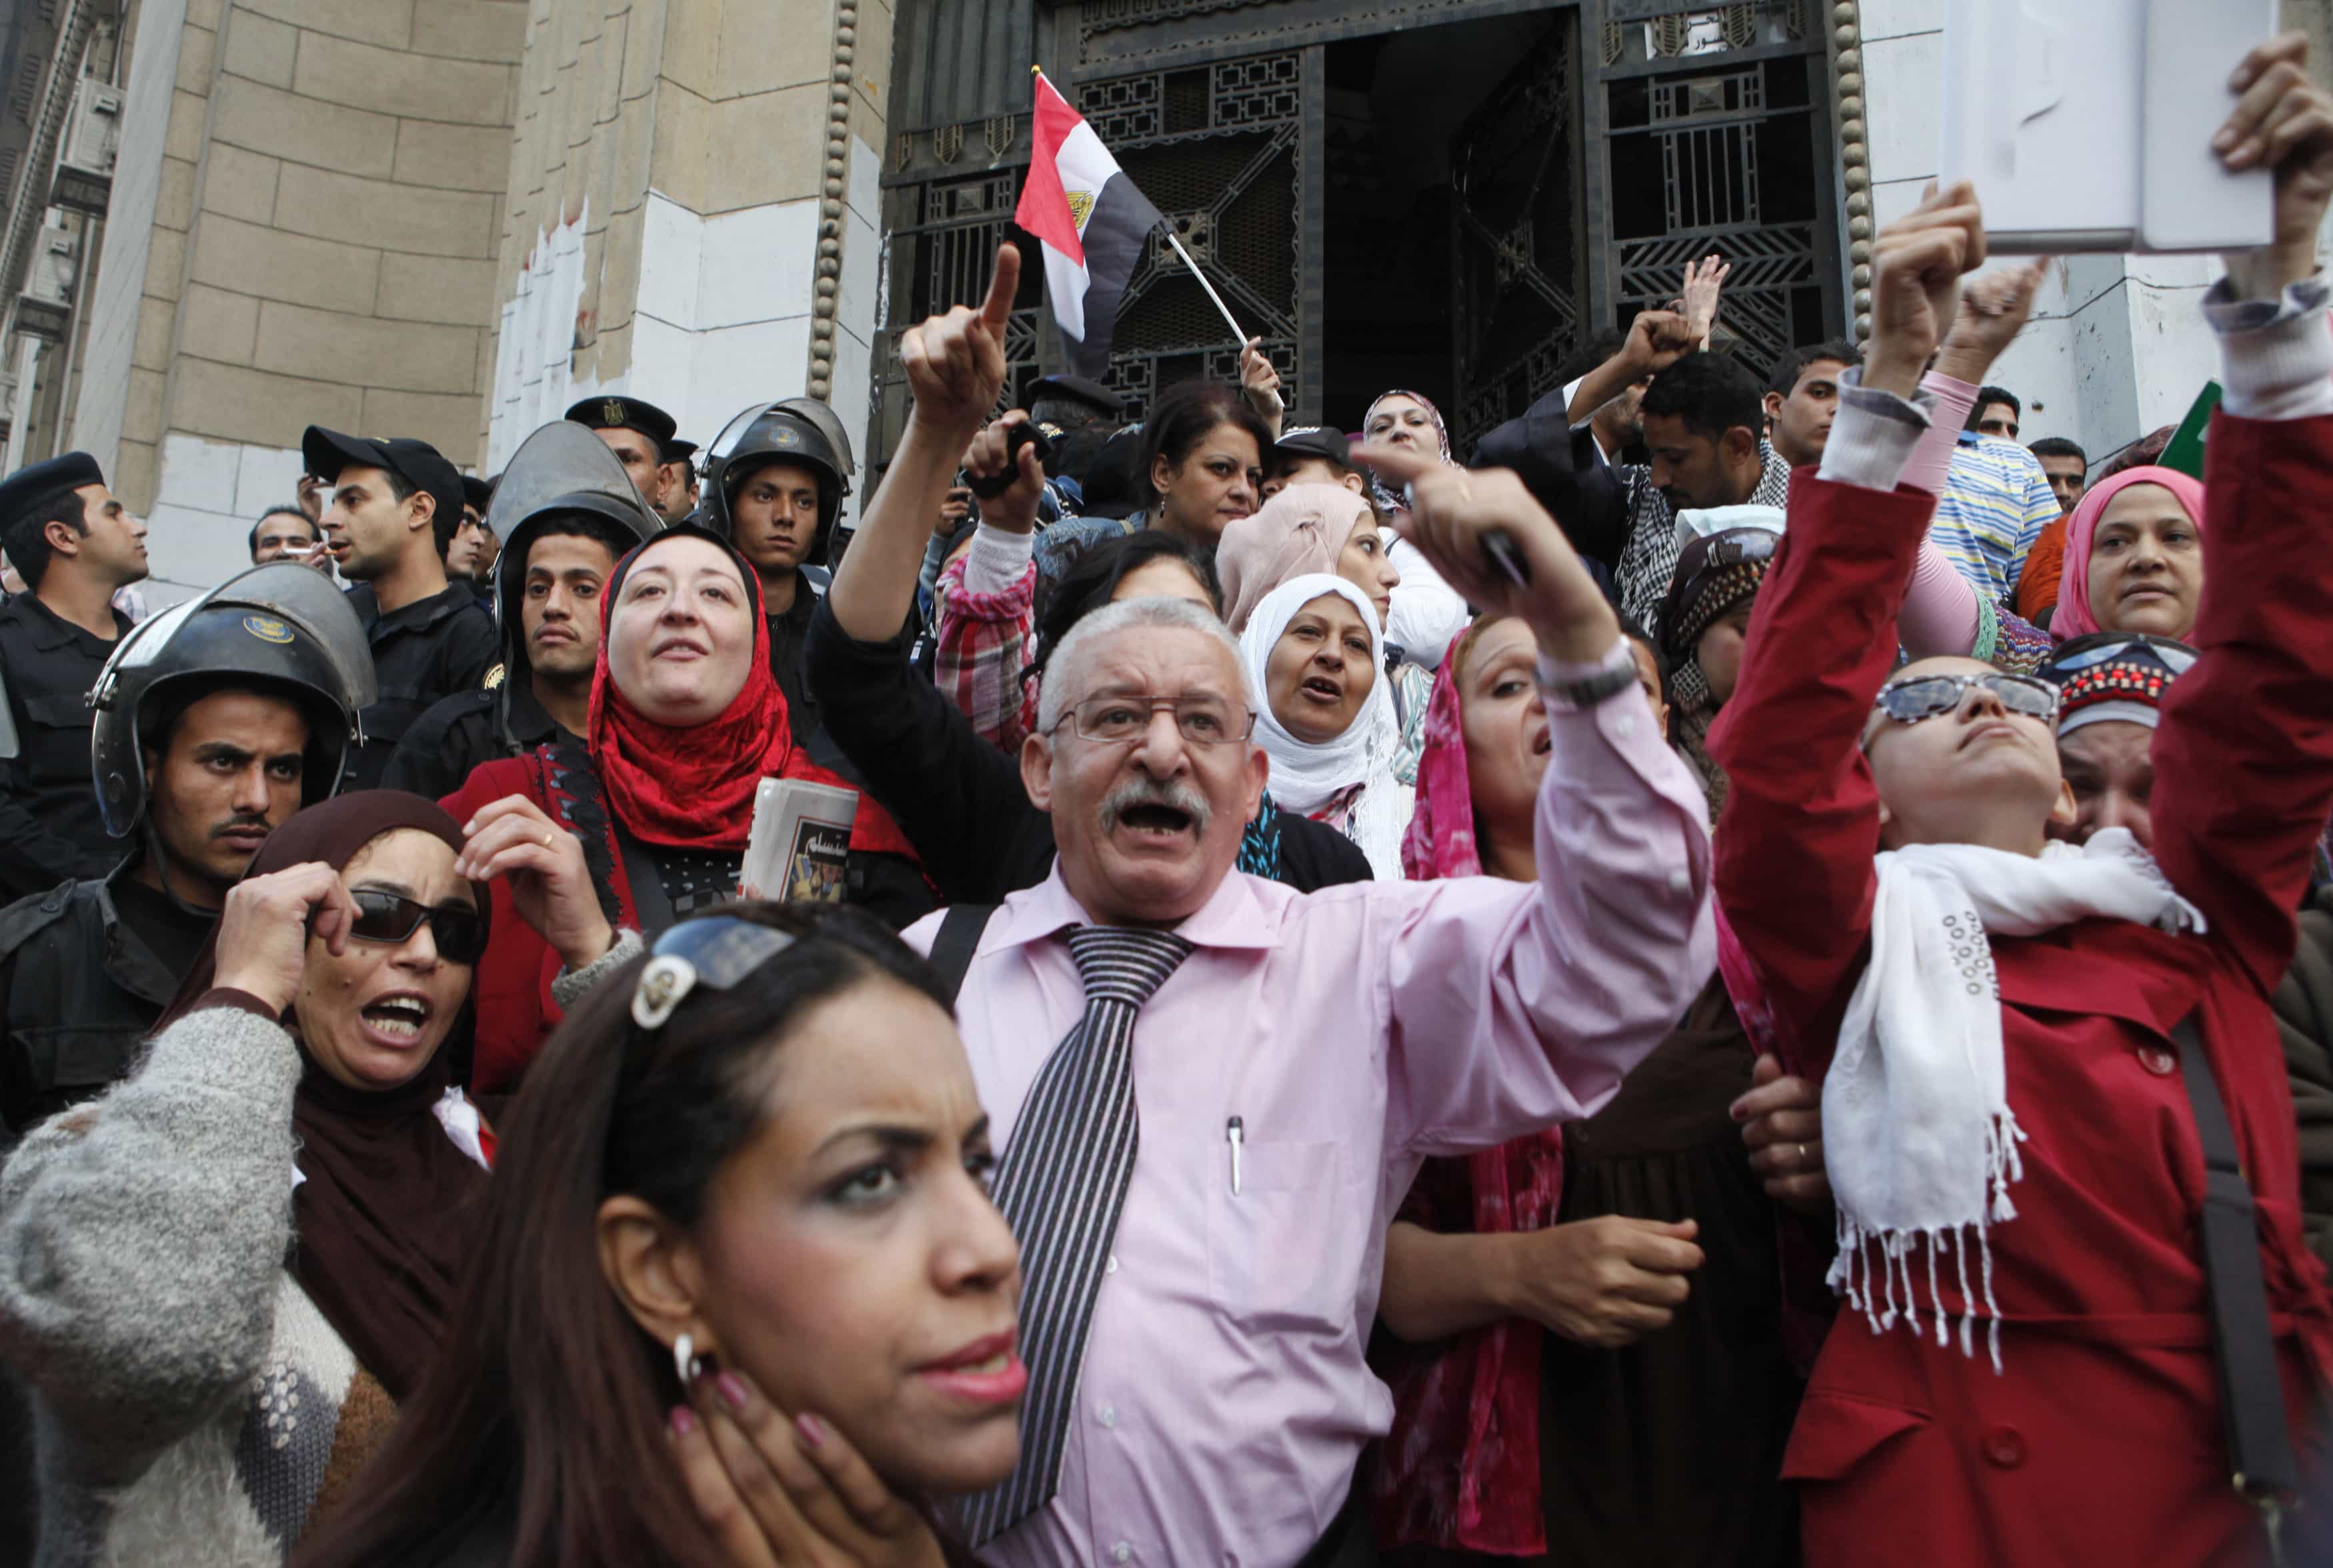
[1306,775]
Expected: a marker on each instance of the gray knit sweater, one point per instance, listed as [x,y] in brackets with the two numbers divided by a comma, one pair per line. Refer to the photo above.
[193,1406]
[142,1239]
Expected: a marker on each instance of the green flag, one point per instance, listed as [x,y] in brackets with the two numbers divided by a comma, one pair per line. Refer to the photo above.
[2185,452]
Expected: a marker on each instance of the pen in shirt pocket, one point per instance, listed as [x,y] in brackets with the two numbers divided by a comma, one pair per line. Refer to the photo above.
[1235,1133]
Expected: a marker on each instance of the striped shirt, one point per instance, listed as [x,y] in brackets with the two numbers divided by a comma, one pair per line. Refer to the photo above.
[1995,504]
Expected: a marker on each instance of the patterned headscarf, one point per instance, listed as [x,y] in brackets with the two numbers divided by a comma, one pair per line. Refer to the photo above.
[1386,499]
[1715,575]
[2113,675]
[2075,616]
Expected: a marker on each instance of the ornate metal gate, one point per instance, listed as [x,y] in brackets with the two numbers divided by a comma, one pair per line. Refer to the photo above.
[1637,136]
[1513,258]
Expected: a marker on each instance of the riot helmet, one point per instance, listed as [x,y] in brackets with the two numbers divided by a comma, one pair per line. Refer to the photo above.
[278,628]
[797,430]
[562,471]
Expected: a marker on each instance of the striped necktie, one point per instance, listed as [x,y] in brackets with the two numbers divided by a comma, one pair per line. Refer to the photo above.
[1061,1186]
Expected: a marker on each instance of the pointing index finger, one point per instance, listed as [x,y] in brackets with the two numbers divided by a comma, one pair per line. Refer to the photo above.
[1397,463]
[1003,284]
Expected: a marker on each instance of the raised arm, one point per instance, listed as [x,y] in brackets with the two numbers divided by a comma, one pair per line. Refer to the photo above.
[1794,850]
[956,369]
[141,1235]
[2243,758]
[1514,1005]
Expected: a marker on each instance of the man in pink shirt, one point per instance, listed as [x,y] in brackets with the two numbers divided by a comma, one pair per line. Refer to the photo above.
[1211,1091]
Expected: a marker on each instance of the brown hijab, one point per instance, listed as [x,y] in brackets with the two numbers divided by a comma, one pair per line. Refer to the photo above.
[380,1224]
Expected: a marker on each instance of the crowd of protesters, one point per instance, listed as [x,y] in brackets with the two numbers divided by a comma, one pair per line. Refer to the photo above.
[1747,979]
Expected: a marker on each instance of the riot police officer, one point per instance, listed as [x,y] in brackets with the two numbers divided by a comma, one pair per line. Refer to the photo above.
[642,436]
[214,721]
[75,546]
[569,511]
[396,507]
[775,480]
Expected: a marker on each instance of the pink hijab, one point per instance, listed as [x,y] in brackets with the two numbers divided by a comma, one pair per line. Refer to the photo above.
[2074,617]
[1300,531]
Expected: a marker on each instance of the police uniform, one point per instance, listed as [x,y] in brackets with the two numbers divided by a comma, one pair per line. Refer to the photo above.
[805,431]
[422,652]
[48,834]
[87,966]
[559,474]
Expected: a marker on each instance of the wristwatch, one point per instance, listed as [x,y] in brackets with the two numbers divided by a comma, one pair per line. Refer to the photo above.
[1587,693]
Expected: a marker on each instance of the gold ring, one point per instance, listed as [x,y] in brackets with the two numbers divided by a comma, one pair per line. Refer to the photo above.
[1802,1153]
[546,844]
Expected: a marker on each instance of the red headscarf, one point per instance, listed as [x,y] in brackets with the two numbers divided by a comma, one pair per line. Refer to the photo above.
[2074,617]
[690,787]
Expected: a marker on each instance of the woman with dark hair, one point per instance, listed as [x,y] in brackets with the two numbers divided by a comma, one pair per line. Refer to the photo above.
[222,1280]
[730,1254]
[1559,1308]
[686,720]
[1202,467]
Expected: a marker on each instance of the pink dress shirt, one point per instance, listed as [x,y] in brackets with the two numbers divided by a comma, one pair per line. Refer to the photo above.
[1223,1399]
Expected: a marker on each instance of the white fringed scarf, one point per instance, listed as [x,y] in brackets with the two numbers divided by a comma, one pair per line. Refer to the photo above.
[1919,1138]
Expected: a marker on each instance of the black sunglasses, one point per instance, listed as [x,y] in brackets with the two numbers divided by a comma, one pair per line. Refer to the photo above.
[458,929]
[1925,696]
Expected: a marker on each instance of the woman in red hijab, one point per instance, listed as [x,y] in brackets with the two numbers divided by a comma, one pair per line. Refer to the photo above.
[685,722]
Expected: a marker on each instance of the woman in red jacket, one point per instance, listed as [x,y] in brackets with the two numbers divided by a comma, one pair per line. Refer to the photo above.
[685,722]
[2027,1374]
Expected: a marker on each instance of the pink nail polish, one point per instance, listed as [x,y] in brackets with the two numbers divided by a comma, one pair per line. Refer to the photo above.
[813,1430]
[733,1389]
[684,1420]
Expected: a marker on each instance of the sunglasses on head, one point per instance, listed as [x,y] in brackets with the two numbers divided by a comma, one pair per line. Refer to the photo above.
[458,929]
[717,950]
[1925,696]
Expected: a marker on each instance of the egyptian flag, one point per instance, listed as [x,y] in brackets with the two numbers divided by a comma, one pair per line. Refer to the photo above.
[1092,222]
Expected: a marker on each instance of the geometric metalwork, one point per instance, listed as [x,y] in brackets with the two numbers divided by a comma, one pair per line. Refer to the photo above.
[1515,261]
[1213,148]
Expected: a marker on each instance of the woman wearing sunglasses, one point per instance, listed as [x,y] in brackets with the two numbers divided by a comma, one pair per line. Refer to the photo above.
[205,1355]
[2038,1060]
[740,1295]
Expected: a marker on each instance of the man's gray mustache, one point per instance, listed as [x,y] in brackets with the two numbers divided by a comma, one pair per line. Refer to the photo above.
[1146,791]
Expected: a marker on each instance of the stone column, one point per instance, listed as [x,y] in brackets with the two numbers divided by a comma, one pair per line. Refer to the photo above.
[711,236]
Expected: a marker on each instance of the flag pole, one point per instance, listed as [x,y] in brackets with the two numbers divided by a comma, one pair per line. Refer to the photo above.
[1176,241]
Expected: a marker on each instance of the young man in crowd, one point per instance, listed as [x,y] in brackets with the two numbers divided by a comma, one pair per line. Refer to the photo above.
[240,717]
[1803,397]
[1282,1106]
[641,435]
[777,496]
[396,505]
[1996,500]
[1705,419]
[572,513]
[76,546]
[2067,468]
[1995,413]
[283,530]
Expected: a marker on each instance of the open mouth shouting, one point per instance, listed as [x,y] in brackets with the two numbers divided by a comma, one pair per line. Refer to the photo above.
[1147,814]
[394,1021]
[1328,691]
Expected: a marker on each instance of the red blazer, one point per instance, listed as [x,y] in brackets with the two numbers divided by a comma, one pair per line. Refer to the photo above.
[2101,1441]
